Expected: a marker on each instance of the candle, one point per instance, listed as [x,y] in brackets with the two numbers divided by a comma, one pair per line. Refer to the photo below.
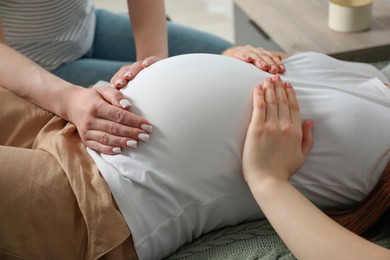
[349,15]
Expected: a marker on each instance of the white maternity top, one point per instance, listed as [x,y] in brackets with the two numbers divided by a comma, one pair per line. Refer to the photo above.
[188,179]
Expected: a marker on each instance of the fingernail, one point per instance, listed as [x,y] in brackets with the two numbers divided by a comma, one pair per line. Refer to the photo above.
[288,85]
[125,103]
[144,137]
[132,143]
[112,86]
[116,150]
[276,77]
[259,87]
[128,74]
[268,80]
[282,67]
[118,82]
[147,128]
[274,69]
[265,65]
[145,63]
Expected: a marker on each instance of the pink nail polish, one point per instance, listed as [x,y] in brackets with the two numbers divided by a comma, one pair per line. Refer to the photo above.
[263,64]
[274,69]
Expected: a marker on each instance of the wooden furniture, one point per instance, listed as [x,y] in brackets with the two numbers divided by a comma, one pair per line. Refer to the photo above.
[302,25]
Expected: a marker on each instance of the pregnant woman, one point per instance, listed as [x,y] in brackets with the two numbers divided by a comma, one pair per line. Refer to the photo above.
[188,180]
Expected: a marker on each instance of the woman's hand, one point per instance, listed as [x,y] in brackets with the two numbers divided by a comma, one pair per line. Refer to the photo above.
[104,122]
[264,60]
[277,143]
[128,72]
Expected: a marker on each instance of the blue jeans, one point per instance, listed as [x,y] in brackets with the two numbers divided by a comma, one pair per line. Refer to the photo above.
[113,47]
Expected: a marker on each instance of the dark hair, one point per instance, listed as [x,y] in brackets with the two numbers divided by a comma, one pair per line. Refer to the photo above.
[362,217]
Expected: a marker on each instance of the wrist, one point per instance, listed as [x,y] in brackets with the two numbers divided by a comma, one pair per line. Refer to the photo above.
[270,192]
[266,181]
[69,94]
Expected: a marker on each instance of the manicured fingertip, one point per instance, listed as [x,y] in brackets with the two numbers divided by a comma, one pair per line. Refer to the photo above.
[282,68]
[147,128]
[273,69]
[128,74]
[268,80]
[125,103]
[275,77]
[247,58]
[119,82]
[144,137]
[264,65]
[116,150]
[132,143]
[145,63]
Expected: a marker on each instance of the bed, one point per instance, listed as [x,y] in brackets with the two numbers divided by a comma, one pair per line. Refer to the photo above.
[254,240]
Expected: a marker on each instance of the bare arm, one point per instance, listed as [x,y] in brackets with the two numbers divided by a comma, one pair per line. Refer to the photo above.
[2,36]
[98,113]
[27,79]
[307,231]
[149,26]
[276,146]
[148,21]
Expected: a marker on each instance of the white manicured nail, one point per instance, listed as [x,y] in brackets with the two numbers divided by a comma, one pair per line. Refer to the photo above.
[112,86]
[147,128]
[128,74]
[132,143]
[119,82]
[125,103]
[117,150]
[144,137]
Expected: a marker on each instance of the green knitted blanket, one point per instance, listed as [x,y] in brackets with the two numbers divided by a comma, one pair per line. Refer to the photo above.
[253,240]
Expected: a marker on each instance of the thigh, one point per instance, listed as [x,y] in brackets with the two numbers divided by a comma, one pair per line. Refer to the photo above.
[39,215]
[183,39]
[114,38]
[87,71]
[21,120]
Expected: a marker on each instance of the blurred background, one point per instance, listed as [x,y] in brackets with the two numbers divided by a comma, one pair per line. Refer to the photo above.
[214,16]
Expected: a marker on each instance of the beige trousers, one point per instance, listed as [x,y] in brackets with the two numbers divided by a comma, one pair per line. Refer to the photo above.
[54,204]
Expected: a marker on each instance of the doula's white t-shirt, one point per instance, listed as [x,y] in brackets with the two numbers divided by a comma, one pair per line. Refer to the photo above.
[188,179]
